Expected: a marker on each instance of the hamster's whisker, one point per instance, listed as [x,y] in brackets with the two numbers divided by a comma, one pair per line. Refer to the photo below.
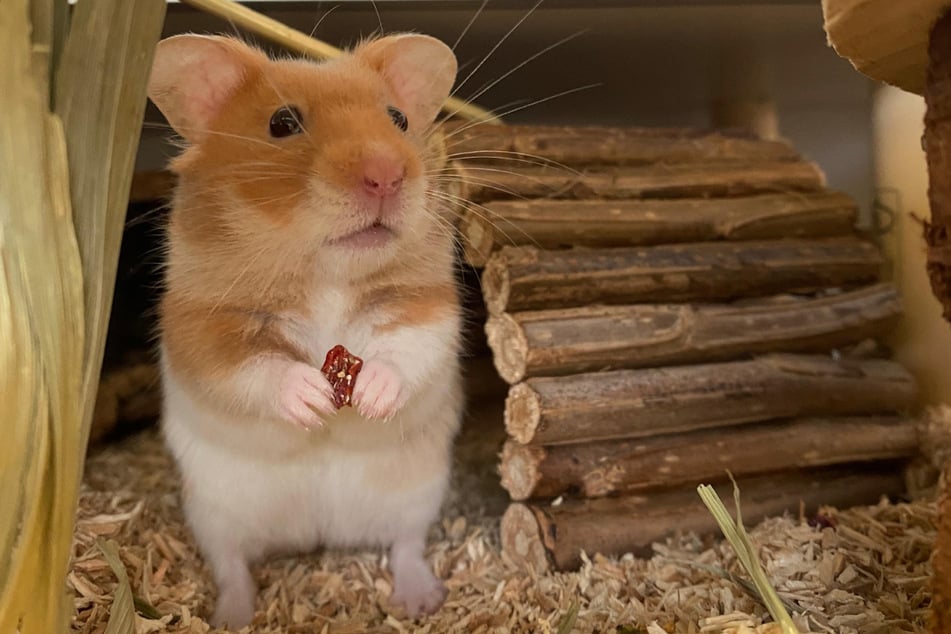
[147,216]
[479,168]
[444,209]
[506,155]
[530,104]
[469,208]
[496,47]
[275,199]
[322,18]
[162,126]
[519,66]
[444,225]
[379,20]
[485,214]
[472,20]
[251,261]
[254,174]
[481,182]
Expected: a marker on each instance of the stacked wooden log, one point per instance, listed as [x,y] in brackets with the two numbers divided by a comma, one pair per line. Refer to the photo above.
[666,306]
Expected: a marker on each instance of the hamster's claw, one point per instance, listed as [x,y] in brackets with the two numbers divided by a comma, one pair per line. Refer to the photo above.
[305,397]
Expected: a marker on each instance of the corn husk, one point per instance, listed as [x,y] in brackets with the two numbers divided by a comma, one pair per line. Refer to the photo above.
[64,181]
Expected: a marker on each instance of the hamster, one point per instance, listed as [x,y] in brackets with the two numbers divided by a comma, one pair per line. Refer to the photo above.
[305,217]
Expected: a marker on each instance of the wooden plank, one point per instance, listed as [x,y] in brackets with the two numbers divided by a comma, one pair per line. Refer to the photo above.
[525,278]
[546,537]
[624,467]
[640,403]
[555,224]
[573,340]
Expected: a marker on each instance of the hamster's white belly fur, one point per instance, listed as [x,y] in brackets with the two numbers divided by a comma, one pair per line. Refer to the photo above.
[260,487]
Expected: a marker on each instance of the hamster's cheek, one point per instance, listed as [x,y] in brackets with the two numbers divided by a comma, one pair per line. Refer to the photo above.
[326,207]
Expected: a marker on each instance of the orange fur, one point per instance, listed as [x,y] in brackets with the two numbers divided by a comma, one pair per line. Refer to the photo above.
[247,233]
[207,342]
[280,246]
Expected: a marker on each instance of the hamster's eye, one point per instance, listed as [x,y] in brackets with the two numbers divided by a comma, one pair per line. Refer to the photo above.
[285,121]
[399,119]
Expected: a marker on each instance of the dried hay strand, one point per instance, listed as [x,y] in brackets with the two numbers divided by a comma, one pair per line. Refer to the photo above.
[294,40]
[862,570]
[63,192]
[736,535]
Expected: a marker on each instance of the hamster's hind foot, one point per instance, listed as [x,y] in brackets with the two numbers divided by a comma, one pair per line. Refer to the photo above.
[415,587]
[234,608]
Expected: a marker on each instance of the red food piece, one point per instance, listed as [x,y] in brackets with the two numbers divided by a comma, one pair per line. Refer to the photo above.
[341,369]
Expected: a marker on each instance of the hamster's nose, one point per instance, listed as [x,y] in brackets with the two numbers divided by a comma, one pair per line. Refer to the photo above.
[383,176]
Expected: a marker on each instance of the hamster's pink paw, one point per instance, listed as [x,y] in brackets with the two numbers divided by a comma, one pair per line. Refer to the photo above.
[305,398]
[234,609]
[378,392]
[420,593]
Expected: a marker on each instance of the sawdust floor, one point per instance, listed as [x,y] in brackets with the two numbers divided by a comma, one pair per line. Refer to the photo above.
[868,574]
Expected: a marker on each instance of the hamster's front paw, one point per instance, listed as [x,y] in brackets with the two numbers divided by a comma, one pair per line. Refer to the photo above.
[305,398]
[378,392]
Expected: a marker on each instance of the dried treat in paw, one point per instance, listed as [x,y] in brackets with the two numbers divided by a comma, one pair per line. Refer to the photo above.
[341,369]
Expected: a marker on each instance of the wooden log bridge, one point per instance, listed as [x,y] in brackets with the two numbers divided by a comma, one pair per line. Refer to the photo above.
[625,467]
[547,536]
[642,403]
[526,278]
[575,340]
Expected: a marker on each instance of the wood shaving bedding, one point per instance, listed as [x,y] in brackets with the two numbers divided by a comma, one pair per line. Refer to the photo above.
[868,573]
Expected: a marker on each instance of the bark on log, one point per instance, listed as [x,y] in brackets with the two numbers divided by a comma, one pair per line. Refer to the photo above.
[556,224]
[653,181]
[573,340]
[614,467]
[937,142]
[607,145]
[544,537]
[639,403]
[526,278]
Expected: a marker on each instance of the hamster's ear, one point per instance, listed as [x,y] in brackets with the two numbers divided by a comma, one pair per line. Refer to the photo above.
[193,77]
[419,69]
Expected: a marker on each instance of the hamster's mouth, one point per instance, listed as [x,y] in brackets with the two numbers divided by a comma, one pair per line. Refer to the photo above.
[371,236]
